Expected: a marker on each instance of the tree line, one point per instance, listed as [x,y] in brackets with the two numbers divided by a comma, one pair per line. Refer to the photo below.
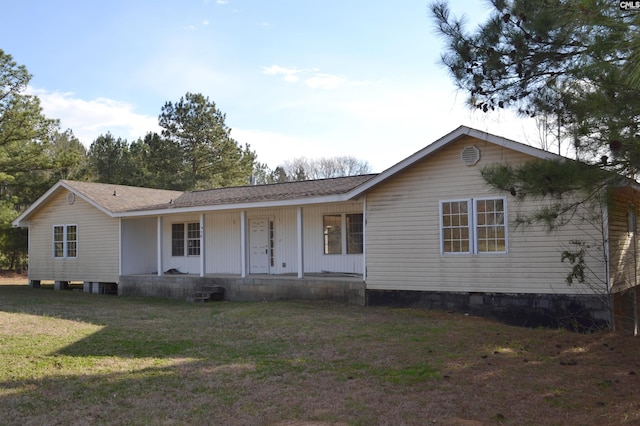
[194,150]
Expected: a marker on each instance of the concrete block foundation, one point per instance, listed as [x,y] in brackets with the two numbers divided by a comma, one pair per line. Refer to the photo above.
[575,312]
[249,289]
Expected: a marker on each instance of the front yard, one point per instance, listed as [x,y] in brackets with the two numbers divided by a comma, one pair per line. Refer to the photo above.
[69,357]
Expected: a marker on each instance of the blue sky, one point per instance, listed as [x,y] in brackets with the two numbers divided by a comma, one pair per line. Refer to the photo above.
[294,77]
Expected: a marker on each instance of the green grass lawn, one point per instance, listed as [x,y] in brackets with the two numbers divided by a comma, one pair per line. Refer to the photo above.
[68,357]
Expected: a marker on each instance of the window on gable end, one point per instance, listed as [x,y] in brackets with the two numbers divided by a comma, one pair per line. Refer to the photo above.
[58,241]
[65,241]
[491,229]
[455,226]
[473,226]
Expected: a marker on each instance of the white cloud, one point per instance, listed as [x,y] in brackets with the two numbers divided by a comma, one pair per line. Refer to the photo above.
[222,1]
[278,70]
[325,81]
[91,118]
[311,77]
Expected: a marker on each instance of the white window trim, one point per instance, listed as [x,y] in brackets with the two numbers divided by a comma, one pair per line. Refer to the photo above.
[65,241]
[472,204]
[186,239]
[470,222]
[343,234]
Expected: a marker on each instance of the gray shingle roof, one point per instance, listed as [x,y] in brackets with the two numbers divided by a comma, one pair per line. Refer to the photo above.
[120,198]
[261,193]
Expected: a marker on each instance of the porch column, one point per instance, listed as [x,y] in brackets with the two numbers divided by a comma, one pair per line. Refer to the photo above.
[120,251]
[159,245]
[203,262]
[243,243]
[300,243]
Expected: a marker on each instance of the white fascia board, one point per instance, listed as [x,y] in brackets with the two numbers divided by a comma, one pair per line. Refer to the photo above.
[445,140]
[515,146]
[238,206]
[22,220]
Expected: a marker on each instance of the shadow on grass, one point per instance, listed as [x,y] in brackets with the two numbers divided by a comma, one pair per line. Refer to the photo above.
[157,361]
[183,392]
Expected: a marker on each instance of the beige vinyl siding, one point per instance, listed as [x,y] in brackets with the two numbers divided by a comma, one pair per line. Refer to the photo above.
[623,246]
[98,242]
[403,233]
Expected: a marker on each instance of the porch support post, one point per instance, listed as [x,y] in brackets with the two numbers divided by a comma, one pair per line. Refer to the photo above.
[120,251]
[300,243]
[203,246]
[159,245]
[243,243]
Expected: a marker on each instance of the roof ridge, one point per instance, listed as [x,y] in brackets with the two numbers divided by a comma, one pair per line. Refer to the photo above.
[281,183]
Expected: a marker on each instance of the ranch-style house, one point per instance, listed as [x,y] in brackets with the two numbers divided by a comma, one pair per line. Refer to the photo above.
[428,232]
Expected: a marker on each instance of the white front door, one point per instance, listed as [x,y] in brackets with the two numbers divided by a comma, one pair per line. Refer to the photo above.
[259,246]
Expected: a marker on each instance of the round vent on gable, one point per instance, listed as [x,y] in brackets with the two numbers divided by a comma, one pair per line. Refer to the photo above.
[71,197]
[470,155]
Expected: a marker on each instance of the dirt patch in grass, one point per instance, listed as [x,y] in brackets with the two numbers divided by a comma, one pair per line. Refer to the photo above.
[75,358]
[11,277]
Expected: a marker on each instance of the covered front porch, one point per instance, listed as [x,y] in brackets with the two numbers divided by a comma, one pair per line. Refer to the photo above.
[286,242]
[345,288]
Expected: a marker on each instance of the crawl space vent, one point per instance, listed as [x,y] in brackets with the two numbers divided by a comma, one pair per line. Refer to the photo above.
[470,155]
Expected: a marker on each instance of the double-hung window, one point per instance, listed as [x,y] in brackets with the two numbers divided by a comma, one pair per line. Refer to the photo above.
[343,233]
[473,226]
[65,241]
[193,239]
[185,238]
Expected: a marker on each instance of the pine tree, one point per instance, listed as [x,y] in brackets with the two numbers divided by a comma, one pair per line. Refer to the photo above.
[572,59]
[211,156]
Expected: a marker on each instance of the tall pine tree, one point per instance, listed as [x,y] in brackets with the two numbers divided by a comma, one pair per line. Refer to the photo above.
[211,157]
[569,59]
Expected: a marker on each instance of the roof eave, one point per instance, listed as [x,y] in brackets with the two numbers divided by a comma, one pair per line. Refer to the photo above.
[461,131]
[22,220]
[237,206]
